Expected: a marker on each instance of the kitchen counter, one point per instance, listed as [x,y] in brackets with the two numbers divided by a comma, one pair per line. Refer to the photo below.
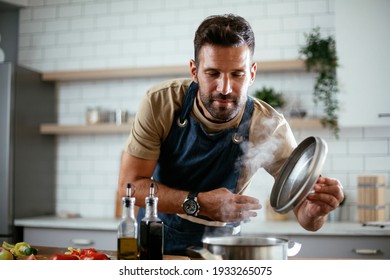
[69,223]
[261,227]
[334,240]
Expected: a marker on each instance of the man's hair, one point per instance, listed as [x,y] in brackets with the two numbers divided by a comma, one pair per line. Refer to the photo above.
[224,30]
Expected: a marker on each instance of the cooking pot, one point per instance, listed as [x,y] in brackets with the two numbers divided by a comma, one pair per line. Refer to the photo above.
[247,247]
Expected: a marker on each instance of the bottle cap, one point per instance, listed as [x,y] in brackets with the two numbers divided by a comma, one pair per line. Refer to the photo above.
[128,199]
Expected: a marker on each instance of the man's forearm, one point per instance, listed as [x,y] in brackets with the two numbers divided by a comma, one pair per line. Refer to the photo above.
[169,200]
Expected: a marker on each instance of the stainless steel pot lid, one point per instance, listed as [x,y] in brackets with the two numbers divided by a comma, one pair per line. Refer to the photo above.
[298,174]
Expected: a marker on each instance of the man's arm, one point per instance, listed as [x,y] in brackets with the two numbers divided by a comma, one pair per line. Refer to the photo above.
[138,172]
[313,212]
[219,204]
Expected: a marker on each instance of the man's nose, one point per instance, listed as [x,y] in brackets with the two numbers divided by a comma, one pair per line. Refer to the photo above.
[224,85]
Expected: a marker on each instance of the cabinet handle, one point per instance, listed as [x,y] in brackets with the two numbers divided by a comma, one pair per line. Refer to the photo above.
[81,242]
[367,251]
[383,115]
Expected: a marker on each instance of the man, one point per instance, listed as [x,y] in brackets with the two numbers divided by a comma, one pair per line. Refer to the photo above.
[202,140]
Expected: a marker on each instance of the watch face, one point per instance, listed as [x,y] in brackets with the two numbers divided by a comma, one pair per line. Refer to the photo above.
[190,207]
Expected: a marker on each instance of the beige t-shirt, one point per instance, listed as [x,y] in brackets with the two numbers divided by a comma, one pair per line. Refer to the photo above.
[270,138]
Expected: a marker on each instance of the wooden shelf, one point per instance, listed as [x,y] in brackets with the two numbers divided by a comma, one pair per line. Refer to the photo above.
[144,72]
[84,129]
[56,129]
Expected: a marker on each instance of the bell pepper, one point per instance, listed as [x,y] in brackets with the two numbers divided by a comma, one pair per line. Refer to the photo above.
[64,257]
[20,249]
[87,254]
[7,246]
[94,256]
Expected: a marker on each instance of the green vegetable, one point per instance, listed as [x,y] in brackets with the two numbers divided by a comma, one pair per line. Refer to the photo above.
[5,254]
[7,246]
[30,251]
[20,249]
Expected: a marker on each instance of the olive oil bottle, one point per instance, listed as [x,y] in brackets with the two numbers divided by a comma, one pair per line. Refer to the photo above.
[128,229]
[151,230]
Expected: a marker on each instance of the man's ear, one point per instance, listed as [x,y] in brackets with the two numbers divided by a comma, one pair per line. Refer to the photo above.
[193,70]
[253,72]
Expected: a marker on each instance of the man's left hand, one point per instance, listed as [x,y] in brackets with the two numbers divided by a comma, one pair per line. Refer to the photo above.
[327,197]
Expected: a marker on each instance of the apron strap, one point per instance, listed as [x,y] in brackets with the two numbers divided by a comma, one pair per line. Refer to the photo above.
[187,105]
[243,128]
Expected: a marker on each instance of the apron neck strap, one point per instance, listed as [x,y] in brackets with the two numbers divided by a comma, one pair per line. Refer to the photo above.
[188,101]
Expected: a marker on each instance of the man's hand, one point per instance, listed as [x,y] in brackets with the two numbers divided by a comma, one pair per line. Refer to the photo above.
[327,197]
[224,206]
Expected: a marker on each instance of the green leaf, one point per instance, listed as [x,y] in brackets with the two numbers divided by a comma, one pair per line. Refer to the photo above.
[321,58]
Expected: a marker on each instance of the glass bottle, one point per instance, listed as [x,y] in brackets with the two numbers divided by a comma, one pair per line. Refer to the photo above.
[128,229]
[151,230]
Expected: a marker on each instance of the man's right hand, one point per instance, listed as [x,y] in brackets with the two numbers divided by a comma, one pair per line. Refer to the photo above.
[224,206]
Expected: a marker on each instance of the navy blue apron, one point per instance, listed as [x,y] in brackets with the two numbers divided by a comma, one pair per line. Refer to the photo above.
[193,160]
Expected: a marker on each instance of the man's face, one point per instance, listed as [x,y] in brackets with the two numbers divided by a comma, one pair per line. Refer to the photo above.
[224,75]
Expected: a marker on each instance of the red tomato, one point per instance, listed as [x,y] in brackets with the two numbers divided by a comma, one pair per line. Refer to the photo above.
[88,251]
[64,257]
[94,256]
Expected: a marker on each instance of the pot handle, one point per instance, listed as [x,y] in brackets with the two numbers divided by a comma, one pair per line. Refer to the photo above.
[200,252]
[293,248]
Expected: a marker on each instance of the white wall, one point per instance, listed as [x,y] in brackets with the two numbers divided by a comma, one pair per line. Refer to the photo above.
[87,34]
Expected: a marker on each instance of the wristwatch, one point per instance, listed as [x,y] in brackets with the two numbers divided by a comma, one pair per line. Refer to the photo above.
[190,205]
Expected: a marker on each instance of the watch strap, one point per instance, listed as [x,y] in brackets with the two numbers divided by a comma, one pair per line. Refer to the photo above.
[193,195]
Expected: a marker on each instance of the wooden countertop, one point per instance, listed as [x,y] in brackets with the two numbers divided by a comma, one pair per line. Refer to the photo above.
[44,253]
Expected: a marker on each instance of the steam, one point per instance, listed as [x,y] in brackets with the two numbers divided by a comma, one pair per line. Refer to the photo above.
[262,152]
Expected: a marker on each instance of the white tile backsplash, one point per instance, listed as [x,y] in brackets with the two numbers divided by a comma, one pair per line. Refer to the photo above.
[69,10]
[378,163]
[368,147]
[56,25]
[75,35]
[279,9]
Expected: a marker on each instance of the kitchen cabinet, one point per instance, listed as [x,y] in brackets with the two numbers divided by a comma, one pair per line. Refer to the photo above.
[76,238]
[363,43]
[342,240]
[100,233]
[342,247]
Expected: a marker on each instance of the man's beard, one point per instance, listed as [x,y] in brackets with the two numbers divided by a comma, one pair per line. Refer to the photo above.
[224,112]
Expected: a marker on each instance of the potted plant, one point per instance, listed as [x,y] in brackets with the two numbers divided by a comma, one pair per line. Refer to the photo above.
[321,58]
[270,96]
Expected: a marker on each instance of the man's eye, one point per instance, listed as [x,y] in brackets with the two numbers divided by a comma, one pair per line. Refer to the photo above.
[238,74]
[212,74]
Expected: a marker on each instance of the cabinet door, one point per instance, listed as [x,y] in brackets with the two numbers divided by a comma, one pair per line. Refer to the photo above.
[343,247]
[101,240]
[363,44]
